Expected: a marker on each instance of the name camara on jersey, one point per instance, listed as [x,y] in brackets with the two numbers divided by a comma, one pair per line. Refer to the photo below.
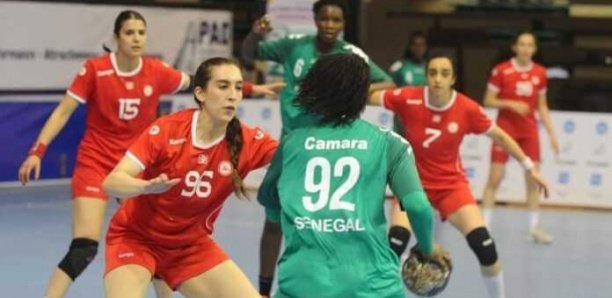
[329,225]
[313,143]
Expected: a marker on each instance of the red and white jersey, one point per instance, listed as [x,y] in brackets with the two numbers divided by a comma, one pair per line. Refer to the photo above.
[188,210]
[120,105]
[435,133]
[514,82]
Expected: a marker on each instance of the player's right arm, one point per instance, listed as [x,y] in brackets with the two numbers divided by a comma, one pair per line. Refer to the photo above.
[404,182]
[50,130]
[122,181]
[250,45]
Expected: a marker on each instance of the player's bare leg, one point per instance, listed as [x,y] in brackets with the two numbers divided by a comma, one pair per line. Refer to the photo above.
[469,221]
[536,233]
[225,280]
[88,219]
[269,249]
[128,281]
[496,174]
[400,230]
[162,290]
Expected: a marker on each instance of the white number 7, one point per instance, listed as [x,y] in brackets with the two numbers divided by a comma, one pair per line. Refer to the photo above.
[433,135]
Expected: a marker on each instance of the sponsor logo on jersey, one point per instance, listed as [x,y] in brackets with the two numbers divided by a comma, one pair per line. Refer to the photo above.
[148,90]
[124,255]
[129,85]
[103,73]
[154,130]
[203,159]
[225,168]
[397,92]
[535,80]
[453,127]
[524,76]
[436,118]
[92,188]
[83,71]
[414,101]
[177,141]
[259,135]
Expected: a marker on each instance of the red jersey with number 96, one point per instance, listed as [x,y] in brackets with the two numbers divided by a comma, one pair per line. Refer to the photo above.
[120,105]
[187,211]
[435,133]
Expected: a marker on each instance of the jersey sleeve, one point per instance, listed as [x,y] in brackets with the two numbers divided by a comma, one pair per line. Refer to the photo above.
[544,83]
[84,84]
[276,50]
[262,149]
[479,121]
[378,75]
[392,99]
[170,80]
[145,150]
[267,194]
[404,182]
[495,80]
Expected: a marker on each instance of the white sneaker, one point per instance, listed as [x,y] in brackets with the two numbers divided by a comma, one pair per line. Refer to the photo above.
[539,236]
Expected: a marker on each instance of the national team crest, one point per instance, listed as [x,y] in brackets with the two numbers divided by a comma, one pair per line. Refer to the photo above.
[453,127]
[225,168]
[154,130]
[202,159]
[148,90]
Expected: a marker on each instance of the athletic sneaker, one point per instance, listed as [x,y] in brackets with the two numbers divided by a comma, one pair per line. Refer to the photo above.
[539,236]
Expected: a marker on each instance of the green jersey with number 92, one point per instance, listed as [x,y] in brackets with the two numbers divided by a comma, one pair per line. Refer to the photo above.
[329,185]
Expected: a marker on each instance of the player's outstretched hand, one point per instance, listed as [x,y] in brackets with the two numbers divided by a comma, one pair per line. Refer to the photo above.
[161,184]
[271,89]
[31,163]
[262,25]
[539,181]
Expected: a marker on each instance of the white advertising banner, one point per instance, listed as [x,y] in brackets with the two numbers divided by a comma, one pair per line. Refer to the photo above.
[44,44]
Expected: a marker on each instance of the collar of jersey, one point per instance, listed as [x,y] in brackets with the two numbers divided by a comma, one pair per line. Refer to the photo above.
[520,68]
[448,105]
[120,73]
[194,139]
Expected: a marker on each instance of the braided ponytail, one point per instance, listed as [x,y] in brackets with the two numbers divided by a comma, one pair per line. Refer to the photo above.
[233,136]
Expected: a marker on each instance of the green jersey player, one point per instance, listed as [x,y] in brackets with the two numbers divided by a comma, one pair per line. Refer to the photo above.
[297,54]
[328,181]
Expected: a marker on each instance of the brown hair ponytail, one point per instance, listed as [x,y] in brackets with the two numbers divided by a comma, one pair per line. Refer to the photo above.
[233,136]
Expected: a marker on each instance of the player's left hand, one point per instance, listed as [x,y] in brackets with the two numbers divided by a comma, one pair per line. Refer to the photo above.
[271,89]
[541,184]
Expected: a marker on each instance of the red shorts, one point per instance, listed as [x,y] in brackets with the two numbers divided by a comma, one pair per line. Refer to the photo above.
[174,265]
[530,145]
[87,182]
[448,201]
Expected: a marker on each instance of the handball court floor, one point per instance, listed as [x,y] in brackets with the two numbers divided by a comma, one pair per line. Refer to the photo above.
[35,233]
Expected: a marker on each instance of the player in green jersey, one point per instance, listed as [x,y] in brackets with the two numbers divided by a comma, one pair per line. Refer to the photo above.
[327,183]
[408,71]
[297,54]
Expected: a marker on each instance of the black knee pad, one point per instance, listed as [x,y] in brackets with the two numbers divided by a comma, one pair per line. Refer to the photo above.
[398,239]
[483,246]
[82,251]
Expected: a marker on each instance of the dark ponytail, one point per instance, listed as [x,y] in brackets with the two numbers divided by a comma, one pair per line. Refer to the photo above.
[234,139]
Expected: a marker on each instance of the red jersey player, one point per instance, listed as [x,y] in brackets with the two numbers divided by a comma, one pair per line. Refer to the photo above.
[121,91]
[178,174]
[518,88]
[436,118]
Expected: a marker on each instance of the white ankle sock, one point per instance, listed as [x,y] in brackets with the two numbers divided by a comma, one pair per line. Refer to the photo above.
[534,219]
[495,285]
[487,213]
